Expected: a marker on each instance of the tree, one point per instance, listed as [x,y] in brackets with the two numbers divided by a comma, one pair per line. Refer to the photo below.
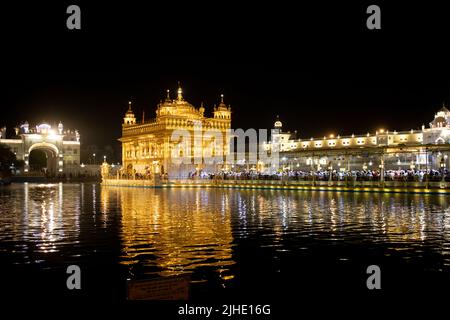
[8,159]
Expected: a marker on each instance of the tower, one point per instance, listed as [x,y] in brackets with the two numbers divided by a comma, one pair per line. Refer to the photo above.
[129,116]
[441,119]
[222,111]
[201,109]
[180,92]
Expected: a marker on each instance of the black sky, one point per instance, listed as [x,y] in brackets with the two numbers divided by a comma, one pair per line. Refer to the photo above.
[316,65]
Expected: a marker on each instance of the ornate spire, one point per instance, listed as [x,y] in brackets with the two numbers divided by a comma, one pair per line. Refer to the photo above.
[180,92]
[129,116]
[222,106]
[168,95]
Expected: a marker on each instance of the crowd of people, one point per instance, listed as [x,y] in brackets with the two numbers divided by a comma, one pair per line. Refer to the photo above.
[324,175]
[407,175]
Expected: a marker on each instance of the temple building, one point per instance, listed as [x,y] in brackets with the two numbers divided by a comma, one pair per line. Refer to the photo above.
[61,147]
[150,147]
[426,147]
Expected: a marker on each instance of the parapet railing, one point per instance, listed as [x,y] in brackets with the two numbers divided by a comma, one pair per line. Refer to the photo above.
[405,182]
[333,183]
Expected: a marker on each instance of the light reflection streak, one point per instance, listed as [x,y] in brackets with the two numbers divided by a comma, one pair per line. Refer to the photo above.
[41,225]
[168,232]
[173,232]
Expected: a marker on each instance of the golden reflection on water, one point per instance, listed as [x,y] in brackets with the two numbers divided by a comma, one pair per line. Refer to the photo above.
[170,232]
[173,231]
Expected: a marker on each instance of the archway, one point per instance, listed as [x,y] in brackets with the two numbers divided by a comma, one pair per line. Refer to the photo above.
[440,140]
[43,158]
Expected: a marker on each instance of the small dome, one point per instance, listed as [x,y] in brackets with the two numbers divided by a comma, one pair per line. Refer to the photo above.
[444,110]
[278,124]
[129,111]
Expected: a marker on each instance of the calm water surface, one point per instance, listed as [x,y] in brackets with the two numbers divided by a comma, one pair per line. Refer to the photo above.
[231,242]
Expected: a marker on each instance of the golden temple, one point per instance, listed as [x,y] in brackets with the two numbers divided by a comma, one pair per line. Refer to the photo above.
[150,146]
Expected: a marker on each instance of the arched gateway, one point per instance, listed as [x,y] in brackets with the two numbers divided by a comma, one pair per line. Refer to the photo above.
[51,153]
[61,148]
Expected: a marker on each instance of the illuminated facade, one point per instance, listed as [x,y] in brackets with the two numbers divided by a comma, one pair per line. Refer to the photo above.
[317,153]
[61,147]
[148,146]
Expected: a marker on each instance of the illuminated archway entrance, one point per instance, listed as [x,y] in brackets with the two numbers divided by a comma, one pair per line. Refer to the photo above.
[43,158]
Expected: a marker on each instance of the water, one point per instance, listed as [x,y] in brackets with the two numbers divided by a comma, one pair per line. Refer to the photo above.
[233,243]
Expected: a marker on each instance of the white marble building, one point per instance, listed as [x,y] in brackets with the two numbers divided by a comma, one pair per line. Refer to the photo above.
[61,147]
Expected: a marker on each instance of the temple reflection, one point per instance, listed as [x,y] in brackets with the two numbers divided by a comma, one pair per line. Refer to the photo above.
[173,231]
[166,232]
[221,238]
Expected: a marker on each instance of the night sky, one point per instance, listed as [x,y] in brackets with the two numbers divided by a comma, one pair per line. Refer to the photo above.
[316,66]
